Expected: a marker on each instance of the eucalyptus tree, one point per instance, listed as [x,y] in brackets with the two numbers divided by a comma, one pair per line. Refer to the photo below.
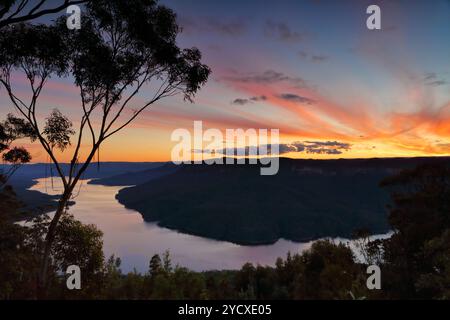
[122,49]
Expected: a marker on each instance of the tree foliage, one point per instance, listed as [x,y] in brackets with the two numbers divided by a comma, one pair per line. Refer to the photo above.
[121,49]
[12,129]
[58,130]
[416,256]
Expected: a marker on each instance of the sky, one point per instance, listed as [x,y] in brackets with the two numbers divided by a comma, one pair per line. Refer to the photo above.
[309,68]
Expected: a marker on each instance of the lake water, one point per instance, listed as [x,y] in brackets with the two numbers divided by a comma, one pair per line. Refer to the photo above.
[127,235]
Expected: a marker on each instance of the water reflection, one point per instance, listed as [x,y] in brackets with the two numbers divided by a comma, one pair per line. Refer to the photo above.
[127,235]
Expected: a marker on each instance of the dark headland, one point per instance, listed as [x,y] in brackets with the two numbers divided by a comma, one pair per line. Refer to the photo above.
[306,200]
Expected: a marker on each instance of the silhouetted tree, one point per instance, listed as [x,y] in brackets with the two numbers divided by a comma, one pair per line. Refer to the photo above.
[12,129]
[18,260]
[155,265]
[121,48]
[326,271]
[416,256]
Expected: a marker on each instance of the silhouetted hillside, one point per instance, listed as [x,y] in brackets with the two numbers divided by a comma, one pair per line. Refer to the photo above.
[34,202]
[94,171]
[307,199]
[135,178]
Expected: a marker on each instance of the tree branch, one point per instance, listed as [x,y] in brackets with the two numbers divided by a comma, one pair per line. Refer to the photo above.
[33,14]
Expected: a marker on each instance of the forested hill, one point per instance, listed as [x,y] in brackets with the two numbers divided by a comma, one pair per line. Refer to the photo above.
[307,199]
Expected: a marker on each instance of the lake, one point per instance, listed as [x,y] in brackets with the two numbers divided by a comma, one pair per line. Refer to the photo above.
[127,236]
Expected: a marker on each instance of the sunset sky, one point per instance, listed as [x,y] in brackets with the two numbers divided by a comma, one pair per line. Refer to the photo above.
[308,68]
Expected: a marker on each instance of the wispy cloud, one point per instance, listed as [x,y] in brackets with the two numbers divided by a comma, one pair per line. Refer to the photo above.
[316,147]
[241,102]
[311,147]
[282,32]
[268,77]
[316,58]
[433,79]
[234,27]
[295,98]
[327,147]
[319,58]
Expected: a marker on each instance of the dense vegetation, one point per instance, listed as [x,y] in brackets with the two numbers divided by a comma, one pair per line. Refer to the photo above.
[414,261]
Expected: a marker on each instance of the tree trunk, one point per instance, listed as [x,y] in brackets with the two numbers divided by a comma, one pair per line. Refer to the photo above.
[50,237]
